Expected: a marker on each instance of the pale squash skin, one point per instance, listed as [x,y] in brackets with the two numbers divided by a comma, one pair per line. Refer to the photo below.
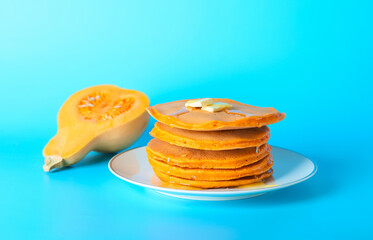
[77,136]
[123,136]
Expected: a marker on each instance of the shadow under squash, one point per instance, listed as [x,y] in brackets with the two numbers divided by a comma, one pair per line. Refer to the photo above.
[94,158]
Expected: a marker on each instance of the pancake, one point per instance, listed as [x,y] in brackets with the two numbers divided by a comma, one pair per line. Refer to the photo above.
[214,184]
[256,168]
[240,116]
[194,158]
[212,140]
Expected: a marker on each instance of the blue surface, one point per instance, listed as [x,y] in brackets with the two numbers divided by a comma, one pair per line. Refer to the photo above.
[310,59]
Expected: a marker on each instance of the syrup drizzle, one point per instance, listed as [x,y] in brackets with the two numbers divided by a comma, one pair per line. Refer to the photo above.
[238,112]
[268,182]
[159,183]
[228,111]
[179,113]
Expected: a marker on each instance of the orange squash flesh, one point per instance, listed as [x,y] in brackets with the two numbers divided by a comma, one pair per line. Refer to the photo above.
[102,118]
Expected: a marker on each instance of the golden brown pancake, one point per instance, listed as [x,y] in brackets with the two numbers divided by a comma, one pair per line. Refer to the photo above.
[256,168]
[241,116]
[194,158]
[211,140]
[214,184]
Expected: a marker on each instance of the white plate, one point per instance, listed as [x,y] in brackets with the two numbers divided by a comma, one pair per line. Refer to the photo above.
[290,168]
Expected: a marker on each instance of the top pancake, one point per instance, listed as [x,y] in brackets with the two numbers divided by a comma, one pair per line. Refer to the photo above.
[240,116]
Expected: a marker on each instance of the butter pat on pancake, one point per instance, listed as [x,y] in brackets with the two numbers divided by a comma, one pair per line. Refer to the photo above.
[256,168]
[214,184]
[211,140]
[205,159]
[238,117]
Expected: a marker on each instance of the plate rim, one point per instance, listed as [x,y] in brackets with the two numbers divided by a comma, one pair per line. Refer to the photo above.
[201,192]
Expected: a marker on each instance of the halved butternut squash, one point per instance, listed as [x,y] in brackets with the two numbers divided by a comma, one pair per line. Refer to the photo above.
[102,118]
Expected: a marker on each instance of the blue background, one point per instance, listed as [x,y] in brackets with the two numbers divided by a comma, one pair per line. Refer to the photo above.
[310,59]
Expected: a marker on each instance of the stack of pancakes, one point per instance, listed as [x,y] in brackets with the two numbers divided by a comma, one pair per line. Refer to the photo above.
[211,150]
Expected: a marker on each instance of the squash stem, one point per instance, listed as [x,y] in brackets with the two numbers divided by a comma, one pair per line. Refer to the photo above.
[52,162]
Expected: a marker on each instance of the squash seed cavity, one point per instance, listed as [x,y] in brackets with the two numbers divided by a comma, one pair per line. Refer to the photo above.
[99,106]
